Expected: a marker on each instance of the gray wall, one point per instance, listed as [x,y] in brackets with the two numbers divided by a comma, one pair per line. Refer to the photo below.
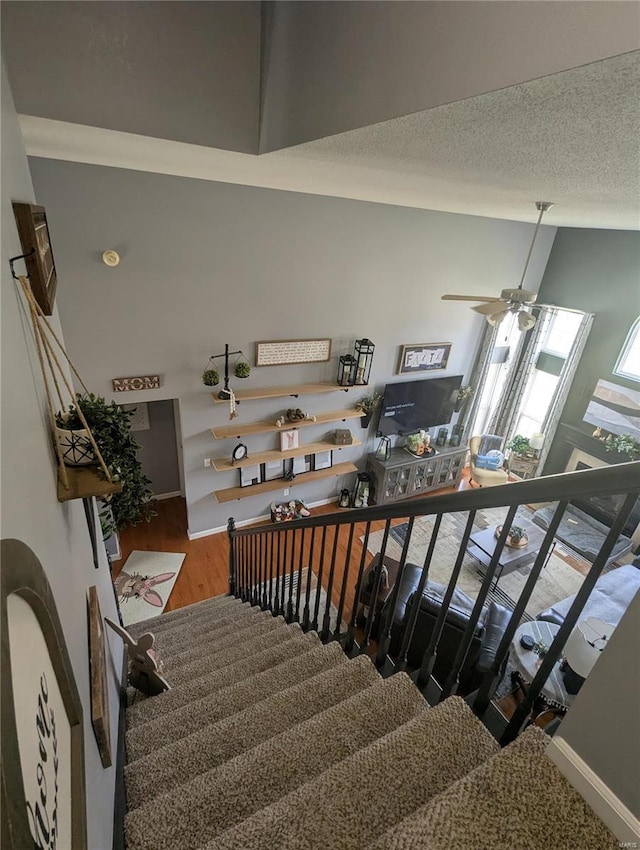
[330,67]
[158,449]
[207,263]
[602,726]
[56,532]
[597,271]
[172,70]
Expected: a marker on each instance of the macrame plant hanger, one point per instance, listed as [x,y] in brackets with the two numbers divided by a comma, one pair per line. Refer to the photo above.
[53,375]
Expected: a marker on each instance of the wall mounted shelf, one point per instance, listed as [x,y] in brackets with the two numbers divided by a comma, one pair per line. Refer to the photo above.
[84,482]
[223,464]
[238,430]
[233,493]
[280,392]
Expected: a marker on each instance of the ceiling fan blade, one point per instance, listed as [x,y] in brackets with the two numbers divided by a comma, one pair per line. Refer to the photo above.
[492,308]
[469,298]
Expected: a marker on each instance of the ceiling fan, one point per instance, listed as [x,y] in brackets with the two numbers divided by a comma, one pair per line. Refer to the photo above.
[495,309]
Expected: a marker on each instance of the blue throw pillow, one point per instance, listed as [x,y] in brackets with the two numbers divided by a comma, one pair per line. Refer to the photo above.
[492,460]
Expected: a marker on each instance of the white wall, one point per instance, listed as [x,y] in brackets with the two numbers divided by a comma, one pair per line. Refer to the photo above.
[207,263]
[57,533]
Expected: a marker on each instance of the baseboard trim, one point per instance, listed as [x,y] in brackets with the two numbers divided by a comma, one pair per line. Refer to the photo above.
[171,495]
[195,535]
[609,808]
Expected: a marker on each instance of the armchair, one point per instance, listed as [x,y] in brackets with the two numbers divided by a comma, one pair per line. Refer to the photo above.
[482,652]
[478,445]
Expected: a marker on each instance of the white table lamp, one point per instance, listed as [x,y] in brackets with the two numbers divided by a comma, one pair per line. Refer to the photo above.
[583,649]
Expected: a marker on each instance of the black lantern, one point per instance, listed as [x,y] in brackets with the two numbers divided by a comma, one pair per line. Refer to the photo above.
[363,355]
[346,370]
[362,491]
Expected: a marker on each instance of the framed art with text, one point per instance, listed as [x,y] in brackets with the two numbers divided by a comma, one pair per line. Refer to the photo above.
[34,238]
[280,352]
[424,357]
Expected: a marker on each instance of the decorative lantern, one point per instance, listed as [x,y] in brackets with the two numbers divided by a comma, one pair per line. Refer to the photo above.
[361,491]
[346,370]
[384,448]
[363,355]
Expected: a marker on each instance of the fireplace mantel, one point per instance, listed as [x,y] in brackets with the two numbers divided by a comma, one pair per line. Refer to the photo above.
[575,438]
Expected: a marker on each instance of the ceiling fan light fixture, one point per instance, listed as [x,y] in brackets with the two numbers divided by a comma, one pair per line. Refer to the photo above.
[525,320]
[495,318]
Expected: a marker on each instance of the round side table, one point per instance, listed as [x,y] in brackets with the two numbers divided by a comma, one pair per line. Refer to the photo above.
[527,662]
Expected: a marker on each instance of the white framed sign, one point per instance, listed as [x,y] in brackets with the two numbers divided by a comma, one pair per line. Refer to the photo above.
[289,351]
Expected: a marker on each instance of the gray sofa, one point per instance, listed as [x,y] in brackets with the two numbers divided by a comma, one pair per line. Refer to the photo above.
[582,533]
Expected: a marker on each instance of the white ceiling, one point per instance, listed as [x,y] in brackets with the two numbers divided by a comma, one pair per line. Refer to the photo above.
[571,138]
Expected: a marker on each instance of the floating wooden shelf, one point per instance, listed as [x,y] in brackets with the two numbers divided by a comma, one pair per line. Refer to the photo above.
[280,392]
[233,493]
[238,430]
[84,482]
[223,464]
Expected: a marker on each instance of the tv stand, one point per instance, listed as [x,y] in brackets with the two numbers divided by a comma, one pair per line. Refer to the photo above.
[404,475]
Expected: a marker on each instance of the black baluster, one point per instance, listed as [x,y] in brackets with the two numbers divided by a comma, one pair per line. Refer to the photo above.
[276,600]
[350,640]
[327,608]
[522,712]
[243,566]
[254,568]
[481,702]
[417,597]
[343,591]
[384,632]
[231,531]
[314,625]
[431,652]
[305,615]
[283,586]
[453,679]
[272,541]
[377,578]
[293,534]
[299,587]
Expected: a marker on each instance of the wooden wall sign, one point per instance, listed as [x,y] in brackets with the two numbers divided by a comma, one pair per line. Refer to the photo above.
[98,672]
[141,382]
[281,352]
[34,237]
[43,784]
[424,357]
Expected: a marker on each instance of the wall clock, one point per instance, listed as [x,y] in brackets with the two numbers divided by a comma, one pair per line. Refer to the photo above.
[239,453]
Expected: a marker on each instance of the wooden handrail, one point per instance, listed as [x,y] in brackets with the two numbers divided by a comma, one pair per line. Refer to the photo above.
[604,481]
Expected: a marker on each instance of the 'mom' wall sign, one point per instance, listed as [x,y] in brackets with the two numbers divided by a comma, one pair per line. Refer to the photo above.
[142,382]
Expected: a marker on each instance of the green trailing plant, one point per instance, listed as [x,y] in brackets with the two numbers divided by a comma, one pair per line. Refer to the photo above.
[210,378]
[242,369]
[624,444]
[519,445]
[111,428]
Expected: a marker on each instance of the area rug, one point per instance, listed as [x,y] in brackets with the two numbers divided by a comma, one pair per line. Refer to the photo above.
[145,582]
[305,577]
[557,580]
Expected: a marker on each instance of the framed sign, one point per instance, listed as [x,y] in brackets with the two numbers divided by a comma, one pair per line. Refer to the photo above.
[289,351]
[34,238]
[43,783]
[98,673]
[140,382]
[424,357]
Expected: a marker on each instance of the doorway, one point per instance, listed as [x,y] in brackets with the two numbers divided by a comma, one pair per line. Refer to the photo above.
[157,429]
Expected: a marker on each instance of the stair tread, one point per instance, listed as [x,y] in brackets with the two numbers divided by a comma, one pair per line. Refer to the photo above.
[202,624]
[211,802]
[354,801]
[278,645]
[221,741]
[517,799]
[173,725]
[215,604]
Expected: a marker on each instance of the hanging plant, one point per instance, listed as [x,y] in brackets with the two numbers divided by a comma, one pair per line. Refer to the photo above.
[111,429]
[241,369]
[210,378]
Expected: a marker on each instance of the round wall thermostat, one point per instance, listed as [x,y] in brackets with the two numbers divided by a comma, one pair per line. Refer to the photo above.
[110,258]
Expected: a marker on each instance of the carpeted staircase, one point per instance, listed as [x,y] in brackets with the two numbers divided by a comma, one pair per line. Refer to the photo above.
[271,739]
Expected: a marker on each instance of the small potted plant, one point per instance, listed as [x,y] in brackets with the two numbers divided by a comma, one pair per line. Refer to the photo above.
[519,445]
[368,404]
[517,537]
[623,444]
[210,377]
[242,369]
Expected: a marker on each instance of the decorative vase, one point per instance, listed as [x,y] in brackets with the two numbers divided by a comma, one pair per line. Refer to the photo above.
[75,446]
[365,420]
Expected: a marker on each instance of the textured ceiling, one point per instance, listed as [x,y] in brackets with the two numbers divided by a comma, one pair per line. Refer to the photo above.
[572,138]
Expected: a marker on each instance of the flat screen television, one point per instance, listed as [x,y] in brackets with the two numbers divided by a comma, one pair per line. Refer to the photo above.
[409,406]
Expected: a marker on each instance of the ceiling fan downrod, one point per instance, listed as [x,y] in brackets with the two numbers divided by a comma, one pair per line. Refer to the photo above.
[542,207]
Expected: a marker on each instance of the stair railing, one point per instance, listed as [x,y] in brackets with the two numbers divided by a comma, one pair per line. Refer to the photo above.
[274,566]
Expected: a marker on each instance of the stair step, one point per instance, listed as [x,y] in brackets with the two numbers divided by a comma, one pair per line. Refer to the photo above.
[182,633]
[247,643]
[354,801]
[517,799]
[215,604]
[195,812]
[277,645]
[219,742]
[172,726]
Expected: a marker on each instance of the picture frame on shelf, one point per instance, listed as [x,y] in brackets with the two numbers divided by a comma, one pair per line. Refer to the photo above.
[272,470]
[249,475]
[424,357]
[323,460]
[301,464]
[289,440]
[33,231]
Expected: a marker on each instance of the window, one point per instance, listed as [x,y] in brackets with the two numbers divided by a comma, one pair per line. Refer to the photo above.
[628,365]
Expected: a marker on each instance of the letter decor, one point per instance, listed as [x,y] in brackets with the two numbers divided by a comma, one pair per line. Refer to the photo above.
[141,382]
[43,783]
